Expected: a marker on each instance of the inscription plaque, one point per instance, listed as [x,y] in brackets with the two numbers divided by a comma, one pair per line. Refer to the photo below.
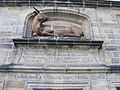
[56,77]
[58,56]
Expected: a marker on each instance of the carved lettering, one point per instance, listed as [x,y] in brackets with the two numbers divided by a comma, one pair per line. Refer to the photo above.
[65,77]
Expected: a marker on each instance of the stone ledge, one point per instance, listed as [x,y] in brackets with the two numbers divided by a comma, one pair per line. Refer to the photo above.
[15,68]
[115,68]
[52,41]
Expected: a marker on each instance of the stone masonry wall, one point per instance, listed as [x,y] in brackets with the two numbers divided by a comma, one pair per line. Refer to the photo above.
[105,25]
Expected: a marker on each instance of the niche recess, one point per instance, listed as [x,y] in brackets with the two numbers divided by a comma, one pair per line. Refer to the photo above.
[59,19]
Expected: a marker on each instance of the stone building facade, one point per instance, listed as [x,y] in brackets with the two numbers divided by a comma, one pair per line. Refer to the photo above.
[58,63]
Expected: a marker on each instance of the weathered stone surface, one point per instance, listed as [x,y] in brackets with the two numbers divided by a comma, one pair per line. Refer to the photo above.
[15,84]
[14,89]
[57,56]
[98,16]
[104,25]
[65,77]
[1,84]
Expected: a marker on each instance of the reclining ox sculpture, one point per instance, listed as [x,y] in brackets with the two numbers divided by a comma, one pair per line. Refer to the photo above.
[37,25]
[38,28]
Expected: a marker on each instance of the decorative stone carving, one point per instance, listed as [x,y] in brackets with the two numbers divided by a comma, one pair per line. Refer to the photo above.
[37,25]
[38,28]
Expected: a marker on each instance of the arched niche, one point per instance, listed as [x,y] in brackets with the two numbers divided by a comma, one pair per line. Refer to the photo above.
[60,18]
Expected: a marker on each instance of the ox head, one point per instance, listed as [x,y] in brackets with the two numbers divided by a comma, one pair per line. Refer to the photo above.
[40,15]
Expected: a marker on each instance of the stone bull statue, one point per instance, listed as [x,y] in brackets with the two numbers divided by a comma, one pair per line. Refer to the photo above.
[38,28]
[37,25]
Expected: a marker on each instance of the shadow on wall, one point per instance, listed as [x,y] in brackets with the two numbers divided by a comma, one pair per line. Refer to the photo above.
[60,20]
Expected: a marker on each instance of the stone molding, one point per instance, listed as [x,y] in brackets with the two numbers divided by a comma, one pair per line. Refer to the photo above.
[36,85]
[81,3]
[36,69]
[91,43]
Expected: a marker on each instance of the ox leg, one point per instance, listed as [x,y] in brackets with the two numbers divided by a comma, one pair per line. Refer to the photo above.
[70,35]
[47,34]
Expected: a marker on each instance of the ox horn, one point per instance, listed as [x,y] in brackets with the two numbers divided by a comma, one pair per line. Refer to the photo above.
[36,10]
